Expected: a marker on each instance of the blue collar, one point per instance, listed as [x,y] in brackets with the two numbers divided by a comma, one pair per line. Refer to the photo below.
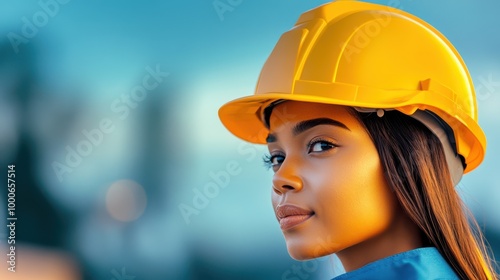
[421,263]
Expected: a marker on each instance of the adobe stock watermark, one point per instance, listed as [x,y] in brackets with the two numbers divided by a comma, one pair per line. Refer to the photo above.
[364,36]
[486,87]
[121,275]
[305,269]
[223,6]
[221,178]
[202,196]
[121,107]
[31,26]
[302,271]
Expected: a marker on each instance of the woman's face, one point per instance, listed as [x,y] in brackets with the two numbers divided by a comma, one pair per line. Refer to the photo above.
[329,192]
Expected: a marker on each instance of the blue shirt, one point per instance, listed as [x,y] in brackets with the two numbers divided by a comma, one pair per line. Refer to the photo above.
[419,264]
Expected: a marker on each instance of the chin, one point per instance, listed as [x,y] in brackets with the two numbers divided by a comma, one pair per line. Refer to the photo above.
[299,255]
[303,251]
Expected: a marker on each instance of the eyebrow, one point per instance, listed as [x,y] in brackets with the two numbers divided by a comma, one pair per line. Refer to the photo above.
[308,124]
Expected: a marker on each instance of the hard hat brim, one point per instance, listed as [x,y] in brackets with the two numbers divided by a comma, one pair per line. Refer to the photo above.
[243,117]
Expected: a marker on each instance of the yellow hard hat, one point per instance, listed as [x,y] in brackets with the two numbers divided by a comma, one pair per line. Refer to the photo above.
[370,56]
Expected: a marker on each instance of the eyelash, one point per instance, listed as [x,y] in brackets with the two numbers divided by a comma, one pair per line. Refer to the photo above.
[269,158]
[320,140]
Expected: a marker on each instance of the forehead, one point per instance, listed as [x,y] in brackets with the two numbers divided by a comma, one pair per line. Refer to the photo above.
[291,112]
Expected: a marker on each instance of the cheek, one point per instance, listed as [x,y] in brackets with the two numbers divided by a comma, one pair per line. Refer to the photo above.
[356,203]
[275,199]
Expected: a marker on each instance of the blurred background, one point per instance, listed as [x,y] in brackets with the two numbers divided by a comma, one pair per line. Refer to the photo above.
[108,109]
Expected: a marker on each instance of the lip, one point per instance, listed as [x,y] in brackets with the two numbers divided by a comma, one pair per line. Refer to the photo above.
[290,216]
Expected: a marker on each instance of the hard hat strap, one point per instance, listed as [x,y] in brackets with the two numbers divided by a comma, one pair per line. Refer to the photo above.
[444,133]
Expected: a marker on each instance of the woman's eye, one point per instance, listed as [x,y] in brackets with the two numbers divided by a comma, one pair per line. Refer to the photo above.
[273,160]
[278,159]
[320,146]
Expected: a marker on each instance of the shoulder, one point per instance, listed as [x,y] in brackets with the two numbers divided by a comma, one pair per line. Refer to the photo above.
[422,263]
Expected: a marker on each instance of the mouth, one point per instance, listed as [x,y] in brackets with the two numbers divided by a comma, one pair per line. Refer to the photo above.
[290,216]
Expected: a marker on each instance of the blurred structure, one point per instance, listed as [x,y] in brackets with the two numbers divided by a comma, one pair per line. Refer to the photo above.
[114,214]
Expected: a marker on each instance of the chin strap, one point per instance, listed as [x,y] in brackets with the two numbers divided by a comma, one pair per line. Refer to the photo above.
[436,125]
[442,131]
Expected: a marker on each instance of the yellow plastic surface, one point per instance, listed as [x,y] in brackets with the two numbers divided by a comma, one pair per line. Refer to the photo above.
[364,55]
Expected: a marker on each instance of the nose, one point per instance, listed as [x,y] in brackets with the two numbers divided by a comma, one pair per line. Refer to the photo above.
[286,179]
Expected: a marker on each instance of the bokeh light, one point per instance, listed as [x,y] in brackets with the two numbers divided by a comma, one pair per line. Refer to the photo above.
[126,200]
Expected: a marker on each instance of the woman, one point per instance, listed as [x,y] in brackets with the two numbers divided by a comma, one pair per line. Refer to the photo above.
[370,118]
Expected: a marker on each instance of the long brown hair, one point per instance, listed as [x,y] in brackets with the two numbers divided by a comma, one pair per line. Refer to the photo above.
[415,167]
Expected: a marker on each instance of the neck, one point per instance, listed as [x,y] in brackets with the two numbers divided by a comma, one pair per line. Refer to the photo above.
[403,235]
